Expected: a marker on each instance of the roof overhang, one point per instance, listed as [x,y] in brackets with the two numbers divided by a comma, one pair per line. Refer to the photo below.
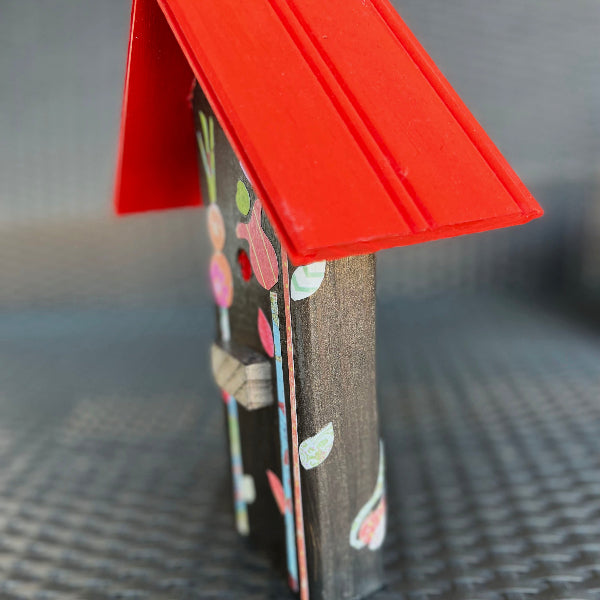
[350,134]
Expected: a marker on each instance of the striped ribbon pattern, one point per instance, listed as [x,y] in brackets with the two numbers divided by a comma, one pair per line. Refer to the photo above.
[237,468]
[216,227]
[300,541]
[285,455]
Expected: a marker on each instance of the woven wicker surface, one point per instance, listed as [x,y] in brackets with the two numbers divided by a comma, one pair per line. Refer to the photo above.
[114,476]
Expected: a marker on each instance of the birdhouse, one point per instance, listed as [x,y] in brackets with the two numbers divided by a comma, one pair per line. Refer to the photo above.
[314,134]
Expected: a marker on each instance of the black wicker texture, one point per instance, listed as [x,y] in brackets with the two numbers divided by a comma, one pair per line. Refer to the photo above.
[114,479]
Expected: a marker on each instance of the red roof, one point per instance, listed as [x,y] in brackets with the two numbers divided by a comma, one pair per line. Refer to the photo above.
[350,134]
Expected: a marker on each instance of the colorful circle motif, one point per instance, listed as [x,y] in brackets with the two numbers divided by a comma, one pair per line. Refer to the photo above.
[216,227]
[221,280]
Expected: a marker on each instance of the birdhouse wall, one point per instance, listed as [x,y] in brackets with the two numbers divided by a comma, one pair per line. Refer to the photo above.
[257,428]
[313,454]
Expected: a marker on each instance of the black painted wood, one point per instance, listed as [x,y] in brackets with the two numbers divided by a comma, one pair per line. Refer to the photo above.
[334,335]
[334,350]
[258,428]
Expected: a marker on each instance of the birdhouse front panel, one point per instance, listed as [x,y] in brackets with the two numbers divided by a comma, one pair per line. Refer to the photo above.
[295,360]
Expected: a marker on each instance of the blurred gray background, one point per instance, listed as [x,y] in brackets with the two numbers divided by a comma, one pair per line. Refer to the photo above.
[528,69]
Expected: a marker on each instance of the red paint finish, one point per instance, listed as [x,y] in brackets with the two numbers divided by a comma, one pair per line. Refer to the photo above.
[353,139]
[157,166]
[265,333]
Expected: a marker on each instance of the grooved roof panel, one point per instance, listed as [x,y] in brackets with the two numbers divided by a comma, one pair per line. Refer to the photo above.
[350,134]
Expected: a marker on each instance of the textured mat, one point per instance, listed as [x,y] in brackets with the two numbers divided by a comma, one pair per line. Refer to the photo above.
[114,478]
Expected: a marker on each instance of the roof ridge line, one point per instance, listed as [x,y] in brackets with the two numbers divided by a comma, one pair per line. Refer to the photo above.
[421,219]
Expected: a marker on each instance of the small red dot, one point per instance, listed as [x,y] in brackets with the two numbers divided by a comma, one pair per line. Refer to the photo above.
[245,266]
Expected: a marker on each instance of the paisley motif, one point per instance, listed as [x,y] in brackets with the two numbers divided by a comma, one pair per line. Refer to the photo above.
[314,450]
[368,528]
[372,531]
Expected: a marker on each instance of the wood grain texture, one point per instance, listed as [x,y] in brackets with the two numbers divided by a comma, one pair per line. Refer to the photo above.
[244,374]
[334,341]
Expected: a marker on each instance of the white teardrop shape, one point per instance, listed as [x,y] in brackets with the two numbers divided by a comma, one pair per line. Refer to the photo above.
[314,450]
[307,280]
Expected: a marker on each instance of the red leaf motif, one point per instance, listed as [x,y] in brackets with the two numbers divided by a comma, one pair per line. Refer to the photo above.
[277,490]
[265,334]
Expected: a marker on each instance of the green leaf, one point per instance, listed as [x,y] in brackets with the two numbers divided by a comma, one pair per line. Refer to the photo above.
[242,198]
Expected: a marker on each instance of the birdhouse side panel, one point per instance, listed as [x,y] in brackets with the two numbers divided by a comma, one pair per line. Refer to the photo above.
[341,454]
